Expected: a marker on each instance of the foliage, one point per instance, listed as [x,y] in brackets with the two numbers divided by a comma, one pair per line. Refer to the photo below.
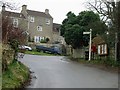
[6,27]
[110,11]
[9,32]
[12,35]
[86,17]
[73,26]
[47,39]
[44,40]
[30,39]
[14,44]
[15,76]
[73,36]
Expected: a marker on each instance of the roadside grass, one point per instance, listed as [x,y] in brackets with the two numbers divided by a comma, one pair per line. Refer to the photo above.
[34,52]
[16,76]
[105,64]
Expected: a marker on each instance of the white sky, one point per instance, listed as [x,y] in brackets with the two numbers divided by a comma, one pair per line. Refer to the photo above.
[57,8]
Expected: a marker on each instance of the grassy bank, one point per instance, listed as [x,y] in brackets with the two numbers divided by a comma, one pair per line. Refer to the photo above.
[15,76]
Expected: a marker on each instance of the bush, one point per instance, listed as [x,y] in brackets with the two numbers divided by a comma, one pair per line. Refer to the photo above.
[43,41]
[47,39]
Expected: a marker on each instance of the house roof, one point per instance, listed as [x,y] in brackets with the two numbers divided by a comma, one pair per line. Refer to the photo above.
[37,13]
[98,40]
[56,27]
[13,14]
[30,12]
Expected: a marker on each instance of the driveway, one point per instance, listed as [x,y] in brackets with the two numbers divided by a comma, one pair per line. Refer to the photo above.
[60,72]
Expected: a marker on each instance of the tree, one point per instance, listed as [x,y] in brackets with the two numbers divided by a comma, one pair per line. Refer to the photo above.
[73,26]
[9,34]
[110,11]
[90,20]
[71,19]
[8,4]
[73,36]
[104,8]
[12,35]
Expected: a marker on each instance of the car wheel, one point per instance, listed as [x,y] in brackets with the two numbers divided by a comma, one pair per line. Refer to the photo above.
[27,49]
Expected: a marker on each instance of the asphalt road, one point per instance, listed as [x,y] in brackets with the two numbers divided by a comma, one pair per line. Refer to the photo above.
[59,72]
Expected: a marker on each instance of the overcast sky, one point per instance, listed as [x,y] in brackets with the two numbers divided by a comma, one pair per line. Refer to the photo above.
[57,8]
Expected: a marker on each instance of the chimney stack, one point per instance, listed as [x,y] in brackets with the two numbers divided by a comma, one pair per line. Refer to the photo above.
[24,10]
[46,11]
[3,7]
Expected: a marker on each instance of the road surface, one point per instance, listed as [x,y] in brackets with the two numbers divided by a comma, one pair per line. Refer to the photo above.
[59,72]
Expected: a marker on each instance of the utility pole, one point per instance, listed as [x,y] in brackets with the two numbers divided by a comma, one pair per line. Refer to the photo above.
[116,41]
[116,27]
[90,44]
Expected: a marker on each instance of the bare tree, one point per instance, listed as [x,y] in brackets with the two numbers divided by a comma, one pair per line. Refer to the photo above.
[109,10]
[9,5]
[105,8]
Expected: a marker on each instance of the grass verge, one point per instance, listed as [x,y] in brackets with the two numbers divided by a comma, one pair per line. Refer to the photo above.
[109,65]
[106,62]
[40,53]
[16,76]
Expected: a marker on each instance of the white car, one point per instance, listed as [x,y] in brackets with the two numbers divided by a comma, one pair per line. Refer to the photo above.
[25,47]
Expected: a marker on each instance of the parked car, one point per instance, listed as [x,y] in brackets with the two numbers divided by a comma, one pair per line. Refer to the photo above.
[25,47]
[53,50]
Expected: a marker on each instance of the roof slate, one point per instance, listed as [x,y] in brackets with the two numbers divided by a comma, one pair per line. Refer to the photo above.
[37,13]
[30,12]
[13,14]
[56,25]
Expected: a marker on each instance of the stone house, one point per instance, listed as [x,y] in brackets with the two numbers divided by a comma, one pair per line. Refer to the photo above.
[17,19]
[38,25]
[56,34]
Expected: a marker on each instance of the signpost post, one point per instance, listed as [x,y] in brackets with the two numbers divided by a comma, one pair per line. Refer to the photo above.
[89,42]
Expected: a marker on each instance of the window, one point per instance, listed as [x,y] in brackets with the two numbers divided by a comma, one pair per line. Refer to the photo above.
[15,22]
[42,38]
[36,39]
[48,21]
[32,19]
[39,28]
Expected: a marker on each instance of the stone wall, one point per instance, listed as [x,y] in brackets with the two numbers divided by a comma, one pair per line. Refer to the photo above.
[69,50]
[7,56]
[78,53]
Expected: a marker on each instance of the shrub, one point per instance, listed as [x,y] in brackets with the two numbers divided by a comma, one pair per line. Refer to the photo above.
[43,41]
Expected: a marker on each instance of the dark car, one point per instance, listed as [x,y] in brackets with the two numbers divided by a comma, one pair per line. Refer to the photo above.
[52,49]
